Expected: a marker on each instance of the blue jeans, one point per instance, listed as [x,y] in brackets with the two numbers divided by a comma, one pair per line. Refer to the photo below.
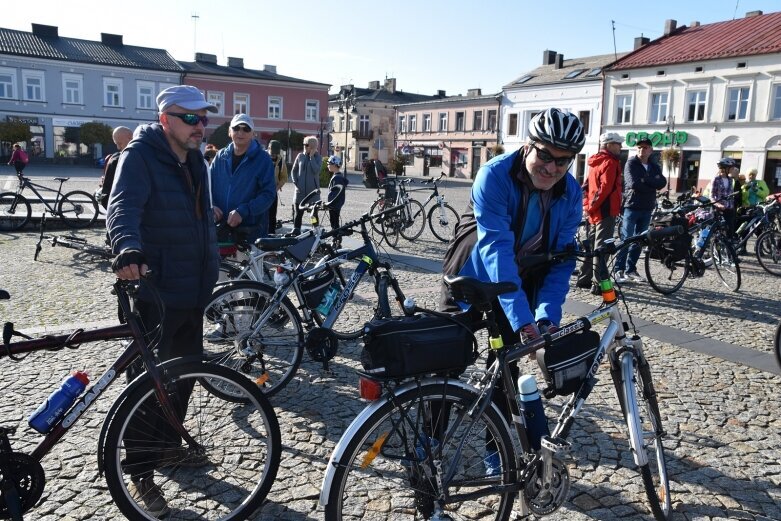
[635,221]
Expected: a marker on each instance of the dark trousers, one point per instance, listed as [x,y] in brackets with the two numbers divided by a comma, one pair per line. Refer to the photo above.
[299,216]
[272,215]
[333,218]
[598,234]
[19,166]
[149,433]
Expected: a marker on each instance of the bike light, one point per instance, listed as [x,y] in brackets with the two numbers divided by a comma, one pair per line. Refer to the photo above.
[369,389]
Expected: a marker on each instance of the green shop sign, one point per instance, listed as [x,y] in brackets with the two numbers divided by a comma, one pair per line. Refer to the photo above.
[658,138]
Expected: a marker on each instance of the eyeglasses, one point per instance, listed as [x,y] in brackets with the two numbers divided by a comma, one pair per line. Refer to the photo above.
[546,157]
[190,119]
[242,128]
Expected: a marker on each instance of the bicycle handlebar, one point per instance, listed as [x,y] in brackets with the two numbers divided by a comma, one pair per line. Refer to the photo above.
[347,227]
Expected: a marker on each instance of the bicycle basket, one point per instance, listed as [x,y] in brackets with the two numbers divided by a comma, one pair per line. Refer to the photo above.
[671,248]
[567,361]
[314,288]
[421,344]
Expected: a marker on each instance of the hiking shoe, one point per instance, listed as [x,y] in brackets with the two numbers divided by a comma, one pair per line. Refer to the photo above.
[492,465]
[634,276]
[596,290]
[184,457]
[619,277]
[147,493]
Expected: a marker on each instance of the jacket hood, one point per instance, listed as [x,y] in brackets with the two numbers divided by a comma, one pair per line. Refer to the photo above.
[253,150]
[601,157]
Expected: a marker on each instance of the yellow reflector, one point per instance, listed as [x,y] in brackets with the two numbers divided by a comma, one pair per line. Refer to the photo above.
[496,343]
[260,380]
[374,450]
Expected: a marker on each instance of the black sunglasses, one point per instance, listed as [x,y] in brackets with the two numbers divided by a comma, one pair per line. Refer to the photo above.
[306,145]
[190,119]
[243,128]
[546,157]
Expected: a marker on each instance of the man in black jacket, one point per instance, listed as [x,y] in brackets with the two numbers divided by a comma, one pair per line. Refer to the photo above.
[642,178]
[121,137]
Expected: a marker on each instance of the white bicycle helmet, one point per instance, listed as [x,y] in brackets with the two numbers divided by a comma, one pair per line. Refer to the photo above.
[335,160]
[559,129]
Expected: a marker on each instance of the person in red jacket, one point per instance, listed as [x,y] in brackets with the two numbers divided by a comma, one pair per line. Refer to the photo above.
[602,200]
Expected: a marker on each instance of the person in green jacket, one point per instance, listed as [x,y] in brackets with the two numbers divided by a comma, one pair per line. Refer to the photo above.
[754,190]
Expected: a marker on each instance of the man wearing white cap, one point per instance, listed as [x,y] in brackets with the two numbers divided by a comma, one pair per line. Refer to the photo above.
[159,218]
[243,185]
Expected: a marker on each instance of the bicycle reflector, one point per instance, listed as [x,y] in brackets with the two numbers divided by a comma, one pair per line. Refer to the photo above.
[369,389]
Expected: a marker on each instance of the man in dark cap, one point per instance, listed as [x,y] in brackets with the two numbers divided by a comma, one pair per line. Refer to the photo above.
[280,174]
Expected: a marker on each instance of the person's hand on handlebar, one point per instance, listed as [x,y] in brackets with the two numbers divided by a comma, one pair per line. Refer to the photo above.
[130,265]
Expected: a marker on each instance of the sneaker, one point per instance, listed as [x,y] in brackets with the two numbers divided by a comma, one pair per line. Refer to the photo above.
[147,493]
[619,277]
[184,457]
[493,467]
[634,276]
[596,290]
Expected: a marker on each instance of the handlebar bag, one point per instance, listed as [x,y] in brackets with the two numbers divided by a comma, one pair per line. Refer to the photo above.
[567,361]
[420,344]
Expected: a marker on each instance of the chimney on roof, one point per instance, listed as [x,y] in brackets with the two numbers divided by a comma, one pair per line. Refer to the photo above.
[390,85]
[559,61]
[695,23]
[669,26]
[270,68]
[111,39]
[374,85]
[548,57]
[235,62]
[202,57]
[640,41]
[753,13]
[474,92]
[441,94]
[45,31]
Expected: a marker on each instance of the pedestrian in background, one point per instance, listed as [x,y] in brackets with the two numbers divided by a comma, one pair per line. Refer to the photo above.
[18,158]
[722,190]
[121,137]
[755,190]
[280,175]
[337,188]
[305,174]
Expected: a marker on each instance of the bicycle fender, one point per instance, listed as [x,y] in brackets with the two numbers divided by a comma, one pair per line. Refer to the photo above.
[352,429]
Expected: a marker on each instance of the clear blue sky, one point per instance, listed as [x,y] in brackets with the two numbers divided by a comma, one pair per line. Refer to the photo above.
[427,45]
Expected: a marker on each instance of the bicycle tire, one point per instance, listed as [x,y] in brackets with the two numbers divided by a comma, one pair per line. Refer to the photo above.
[645,437]
[270,356]
[665,275]
[393,481]
[726,262]
[390,225]
[11,219]
[412,223]
[777,344]
[376,207]
[241,442]
[78,209]
[768,251]
[443,225]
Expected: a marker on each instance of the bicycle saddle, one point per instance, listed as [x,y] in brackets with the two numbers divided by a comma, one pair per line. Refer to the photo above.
[473,291]
[4,295]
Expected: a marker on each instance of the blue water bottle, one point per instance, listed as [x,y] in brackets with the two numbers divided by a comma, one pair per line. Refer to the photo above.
[58,402]
[703,236]
[531,404]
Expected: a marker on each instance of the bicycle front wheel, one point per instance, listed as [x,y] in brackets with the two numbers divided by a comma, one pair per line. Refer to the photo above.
[151,472]
[645,436]
[665,273]
[78,209]
[391,225]
[15,212]
[246,330]
[412,220]
[443,221]
[767,248]
[777,345]
[378,206]
[389,466]
[726,262]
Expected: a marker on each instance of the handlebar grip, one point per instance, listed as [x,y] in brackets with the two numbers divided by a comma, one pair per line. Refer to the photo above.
[669,231]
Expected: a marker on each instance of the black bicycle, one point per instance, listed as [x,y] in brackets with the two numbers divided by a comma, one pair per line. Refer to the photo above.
[101,251]
[77,209]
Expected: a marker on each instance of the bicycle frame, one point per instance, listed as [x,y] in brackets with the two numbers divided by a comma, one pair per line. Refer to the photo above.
[26,183]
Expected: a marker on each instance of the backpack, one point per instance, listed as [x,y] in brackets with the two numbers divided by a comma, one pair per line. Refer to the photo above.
[23,156]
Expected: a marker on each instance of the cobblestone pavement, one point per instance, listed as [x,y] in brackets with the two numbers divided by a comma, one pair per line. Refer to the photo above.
[722,418]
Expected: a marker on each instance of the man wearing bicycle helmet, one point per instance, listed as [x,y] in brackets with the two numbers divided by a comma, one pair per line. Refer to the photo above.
[722,192]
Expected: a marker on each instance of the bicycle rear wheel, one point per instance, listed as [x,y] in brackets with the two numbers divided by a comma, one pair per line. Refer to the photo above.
[386,470]
[413,219]
[226,476]
[268,352]
[78,209]
[15,212]
[378,206]
[443,221]
[391,225]
[665,274]
[777,344]
[726,262]
[645,436]
[768,251]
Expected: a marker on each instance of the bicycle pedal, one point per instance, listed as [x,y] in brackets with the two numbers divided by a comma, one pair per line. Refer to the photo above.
[555,444]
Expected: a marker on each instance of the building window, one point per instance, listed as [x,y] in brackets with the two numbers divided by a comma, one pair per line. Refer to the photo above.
[363,125]
[162,86]
[492,120]
[274,107]
[426,122]
[585,119]
[341,123]
[72,86]
[658,107]
[240,103]
[413,123]
[402,124]
[624,108]
[145,94]
[737,108]
[512,125]
[776,102]
[112,92]
[33,85]
[696,106]
[460,121]
[312,110]
[7,83]
[443,121]
[217,99]
[477,120]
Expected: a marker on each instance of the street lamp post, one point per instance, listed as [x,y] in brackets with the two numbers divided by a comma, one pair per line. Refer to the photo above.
[670,139]
[346,107]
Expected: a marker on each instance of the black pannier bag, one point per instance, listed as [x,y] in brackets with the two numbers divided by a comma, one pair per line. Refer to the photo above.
[567,361]
[671,248]
[421,344]
[315,287]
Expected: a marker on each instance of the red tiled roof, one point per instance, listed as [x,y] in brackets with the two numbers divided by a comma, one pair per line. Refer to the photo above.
[743,37]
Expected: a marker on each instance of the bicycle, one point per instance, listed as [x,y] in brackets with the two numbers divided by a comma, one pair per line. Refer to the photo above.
[77,209]
[768,250]
[400,458]
[102,252]
[230,452]
[261,325]
[760,218]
